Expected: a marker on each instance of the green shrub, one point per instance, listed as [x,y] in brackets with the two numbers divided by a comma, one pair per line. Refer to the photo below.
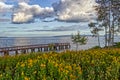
[117,45]
[96,47]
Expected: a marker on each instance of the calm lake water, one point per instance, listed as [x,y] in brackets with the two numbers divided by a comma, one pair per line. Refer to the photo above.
[20,41]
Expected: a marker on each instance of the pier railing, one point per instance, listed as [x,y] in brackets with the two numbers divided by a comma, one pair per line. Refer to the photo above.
[34,48]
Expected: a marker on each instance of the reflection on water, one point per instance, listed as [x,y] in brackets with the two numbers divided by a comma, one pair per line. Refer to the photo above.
[20,41]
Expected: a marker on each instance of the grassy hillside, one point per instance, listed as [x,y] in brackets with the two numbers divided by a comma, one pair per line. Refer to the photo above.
[95,64]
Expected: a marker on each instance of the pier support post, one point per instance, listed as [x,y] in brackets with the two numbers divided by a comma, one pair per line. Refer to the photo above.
[32,50]
[6,53]
[45,49]
[16,52]
[23,51]
[38,49]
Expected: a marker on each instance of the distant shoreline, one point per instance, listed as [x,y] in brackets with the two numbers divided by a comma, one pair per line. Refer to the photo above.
[47,36]
[4,20]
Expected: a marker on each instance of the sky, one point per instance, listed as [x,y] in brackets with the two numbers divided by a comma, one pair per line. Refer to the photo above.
[27,18]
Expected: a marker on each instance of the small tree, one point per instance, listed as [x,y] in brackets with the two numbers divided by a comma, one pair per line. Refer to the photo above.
[79,40]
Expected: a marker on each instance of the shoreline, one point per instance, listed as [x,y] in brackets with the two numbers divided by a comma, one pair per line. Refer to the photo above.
[46,36]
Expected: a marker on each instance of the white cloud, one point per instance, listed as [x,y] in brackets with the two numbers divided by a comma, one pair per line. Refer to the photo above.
[15,0]
[26,11]
[2,0]
[21,17]
[64,10]
[75,10]
[5,7]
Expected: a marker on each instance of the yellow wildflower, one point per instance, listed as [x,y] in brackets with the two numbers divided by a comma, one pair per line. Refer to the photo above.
[22,65]
[42,65]
[72,77]
[68,67]
[26,78]
[22,73]
[30,60]
[44,78]
[56,65]
[74,65]
[0,75]
[80,72]
[17,64]
[66,71]
[34,72]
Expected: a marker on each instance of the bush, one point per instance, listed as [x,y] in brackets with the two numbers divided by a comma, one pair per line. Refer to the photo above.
[96,47]
[117,45]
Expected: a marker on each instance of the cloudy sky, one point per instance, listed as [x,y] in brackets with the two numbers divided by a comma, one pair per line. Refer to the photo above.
[45,17]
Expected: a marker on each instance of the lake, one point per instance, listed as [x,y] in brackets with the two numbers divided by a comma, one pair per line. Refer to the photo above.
[20,41]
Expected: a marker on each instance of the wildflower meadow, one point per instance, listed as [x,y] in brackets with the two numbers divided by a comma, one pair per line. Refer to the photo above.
[98,64]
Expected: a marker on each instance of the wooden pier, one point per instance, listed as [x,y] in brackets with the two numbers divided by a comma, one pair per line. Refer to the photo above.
[34,48]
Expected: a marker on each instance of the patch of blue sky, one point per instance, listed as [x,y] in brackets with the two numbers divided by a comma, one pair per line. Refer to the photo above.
[43,3]
[11,2]
[6,15]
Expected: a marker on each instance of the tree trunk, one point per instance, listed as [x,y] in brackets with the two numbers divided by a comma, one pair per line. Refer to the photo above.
[106,36]
[113,31]
[98,40]
[109,24]
[76,46]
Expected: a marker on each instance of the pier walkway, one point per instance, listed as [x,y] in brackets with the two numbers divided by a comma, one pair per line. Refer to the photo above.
[34,48]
